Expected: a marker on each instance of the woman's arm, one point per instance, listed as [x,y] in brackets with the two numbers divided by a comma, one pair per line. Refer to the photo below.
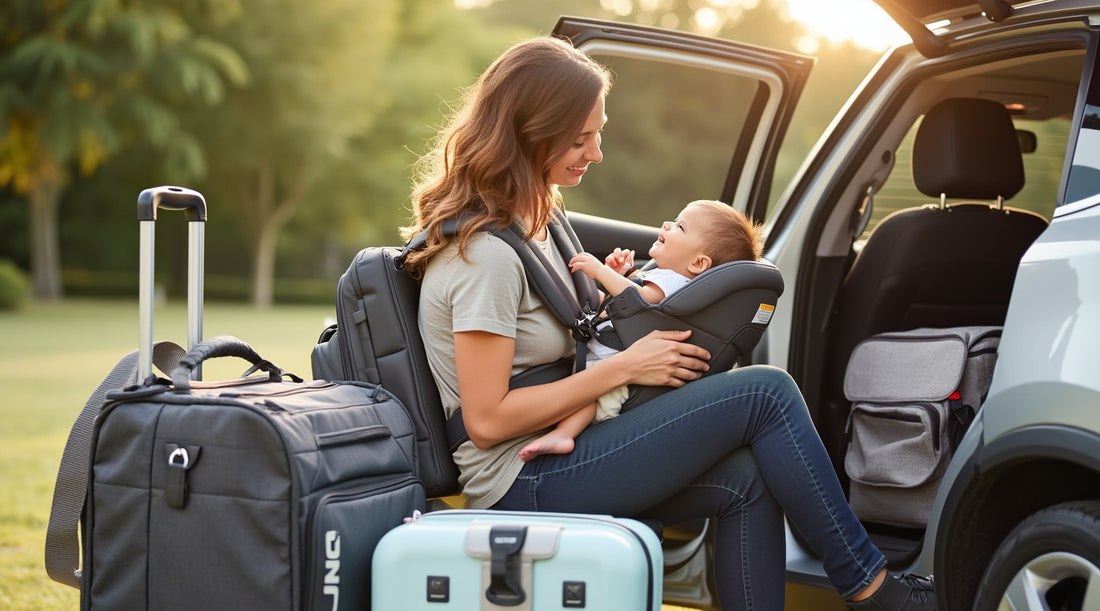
[492,413]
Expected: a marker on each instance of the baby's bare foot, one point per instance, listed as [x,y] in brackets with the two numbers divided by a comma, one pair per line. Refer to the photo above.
[547,444]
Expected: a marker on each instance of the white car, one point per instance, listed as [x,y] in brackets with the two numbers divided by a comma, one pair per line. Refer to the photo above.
[1014,147]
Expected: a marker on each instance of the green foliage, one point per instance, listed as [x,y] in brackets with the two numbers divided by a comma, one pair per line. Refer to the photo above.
[315,71]
[14,286]
[81,80]
[364,196]
[327,103]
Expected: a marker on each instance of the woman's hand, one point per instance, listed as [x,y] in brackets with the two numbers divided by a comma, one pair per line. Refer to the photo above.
[663,358]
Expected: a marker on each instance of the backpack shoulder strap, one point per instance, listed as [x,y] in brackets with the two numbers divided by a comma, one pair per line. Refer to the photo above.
[449,228]
[577,313]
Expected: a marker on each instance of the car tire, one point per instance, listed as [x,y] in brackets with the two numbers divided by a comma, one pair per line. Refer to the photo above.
[1047,562]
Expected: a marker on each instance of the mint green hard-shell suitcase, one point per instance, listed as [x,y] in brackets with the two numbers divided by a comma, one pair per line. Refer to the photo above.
[489,560]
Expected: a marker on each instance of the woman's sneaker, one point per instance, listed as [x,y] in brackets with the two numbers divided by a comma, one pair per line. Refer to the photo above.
[901,592]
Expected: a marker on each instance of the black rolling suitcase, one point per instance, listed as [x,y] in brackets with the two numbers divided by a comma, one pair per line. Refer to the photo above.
[255,493]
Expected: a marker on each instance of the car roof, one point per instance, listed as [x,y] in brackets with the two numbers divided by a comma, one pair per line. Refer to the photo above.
[915,15]
[929,11]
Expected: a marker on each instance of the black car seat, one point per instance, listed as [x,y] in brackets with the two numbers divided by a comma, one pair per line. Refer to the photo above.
[940,265]
[727,308]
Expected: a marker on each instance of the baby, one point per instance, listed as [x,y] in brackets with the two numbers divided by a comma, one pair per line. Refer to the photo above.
[706,233]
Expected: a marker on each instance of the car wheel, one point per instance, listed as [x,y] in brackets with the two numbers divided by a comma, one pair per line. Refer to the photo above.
[1050,562]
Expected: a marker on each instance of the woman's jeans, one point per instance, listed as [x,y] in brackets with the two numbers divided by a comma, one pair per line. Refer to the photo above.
[736,446]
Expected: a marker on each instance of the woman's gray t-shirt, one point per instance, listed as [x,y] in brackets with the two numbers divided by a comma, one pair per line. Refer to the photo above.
[488,291]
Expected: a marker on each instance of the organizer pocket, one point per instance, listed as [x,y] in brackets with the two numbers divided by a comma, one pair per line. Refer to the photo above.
[896,446]
[342,527]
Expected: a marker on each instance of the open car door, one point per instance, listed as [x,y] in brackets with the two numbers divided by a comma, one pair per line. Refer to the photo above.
[689,117]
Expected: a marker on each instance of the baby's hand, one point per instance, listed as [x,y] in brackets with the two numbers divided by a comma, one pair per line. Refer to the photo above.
[621,261]
[586,263]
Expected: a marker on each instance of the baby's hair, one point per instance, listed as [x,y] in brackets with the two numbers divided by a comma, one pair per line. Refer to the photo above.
[730,235]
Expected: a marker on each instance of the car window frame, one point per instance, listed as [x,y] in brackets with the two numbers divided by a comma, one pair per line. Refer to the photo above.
[1088,91]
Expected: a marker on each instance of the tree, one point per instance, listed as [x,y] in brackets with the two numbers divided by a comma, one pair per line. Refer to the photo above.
[315,86]
[438,52]
[80,80]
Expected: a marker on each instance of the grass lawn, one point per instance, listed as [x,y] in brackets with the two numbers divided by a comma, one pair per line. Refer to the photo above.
[51,358]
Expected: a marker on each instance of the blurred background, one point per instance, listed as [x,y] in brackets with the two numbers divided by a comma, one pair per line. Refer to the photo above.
[300,123]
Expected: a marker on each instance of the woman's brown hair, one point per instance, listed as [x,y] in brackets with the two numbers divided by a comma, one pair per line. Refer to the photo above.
[492,162]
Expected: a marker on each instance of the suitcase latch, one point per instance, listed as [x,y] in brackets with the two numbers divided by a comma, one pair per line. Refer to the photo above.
[505,583]
[180,461]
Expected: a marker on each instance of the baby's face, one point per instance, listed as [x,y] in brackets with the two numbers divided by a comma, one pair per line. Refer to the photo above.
[680,241]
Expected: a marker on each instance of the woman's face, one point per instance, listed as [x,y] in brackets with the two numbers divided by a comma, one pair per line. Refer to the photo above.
[569,170]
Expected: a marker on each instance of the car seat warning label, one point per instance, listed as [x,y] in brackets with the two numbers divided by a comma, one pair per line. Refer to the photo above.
[763,314]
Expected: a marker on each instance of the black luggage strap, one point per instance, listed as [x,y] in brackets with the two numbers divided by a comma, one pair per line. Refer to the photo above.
[577,313]
[62,534]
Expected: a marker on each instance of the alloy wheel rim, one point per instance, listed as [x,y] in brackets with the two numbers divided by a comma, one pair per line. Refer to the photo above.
[1058,581]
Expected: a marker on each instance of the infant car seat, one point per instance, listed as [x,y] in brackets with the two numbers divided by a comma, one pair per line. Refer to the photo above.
[726,308]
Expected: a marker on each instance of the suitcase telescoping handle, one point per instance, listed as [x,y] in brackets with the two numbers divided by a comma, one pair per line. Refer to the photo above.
[193,204]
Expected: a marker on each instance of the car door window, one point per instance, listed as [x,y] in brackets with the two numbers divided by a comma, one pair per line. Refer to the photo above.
[689,117]
[669,139]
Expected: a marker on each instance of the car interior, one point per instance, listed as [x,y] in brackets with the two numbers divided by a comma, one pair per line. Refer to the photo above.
[940,265]
[963,177]
[944,265]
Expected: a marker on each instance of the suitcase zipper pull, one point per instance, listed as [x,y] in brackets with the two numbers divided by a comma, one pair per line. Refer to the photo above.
[180,460]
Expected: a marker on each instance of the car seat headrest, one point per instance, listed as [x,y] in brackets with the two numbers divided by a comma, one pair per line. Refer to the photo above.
[967,148]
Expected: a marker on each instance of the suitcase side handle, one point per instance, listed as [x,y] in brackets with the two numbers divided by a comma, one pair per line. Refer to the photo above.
[216,347]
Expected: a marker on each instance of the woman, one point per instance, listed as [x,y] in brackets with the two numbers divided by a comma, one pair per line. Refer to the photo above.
[738,447]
